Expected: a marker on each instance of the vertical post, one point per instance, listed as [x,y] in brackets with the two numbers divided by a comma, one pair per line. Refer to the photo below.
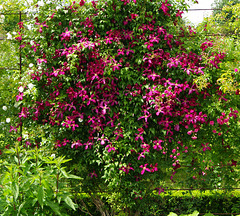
[20,69]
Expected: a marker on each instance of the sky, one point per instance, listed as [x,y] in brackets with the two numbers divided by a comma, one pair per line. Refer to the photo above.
[197,16]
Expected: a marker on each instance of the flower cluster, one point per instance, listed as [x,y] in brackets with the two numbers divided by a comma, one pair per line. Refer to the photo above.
[125,88]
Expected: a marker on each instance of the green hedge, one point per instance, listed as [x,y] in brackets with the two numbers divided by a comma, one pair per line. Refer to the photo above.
[204,202]
[178,202]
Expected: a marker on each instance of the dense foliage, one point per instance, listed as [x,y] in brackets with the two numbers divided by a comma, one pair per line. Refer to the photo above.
[34,183]
[182,202]
[130,96]
[220,5]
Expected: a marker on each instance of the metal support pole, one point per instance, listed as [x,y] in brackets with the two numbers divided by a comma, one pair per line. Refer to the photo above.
[20,69]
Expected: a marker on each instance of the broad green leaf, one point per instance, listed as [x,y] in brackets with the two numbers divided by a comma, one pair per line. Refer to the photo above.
[74,177]
[54,207]
[15,190]
[172,214]
[69,202]
[20,207]
[66,175]
[40,195]
[195,213]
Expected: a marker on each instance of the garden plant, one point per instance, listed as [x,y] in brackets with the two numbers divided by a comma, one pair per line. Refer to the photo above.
[132,97]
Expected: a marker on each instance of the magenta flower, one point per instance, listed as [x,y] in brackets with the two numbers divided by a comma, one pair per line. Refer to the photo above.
[27,143]
[165,8]
[179,14]
[66,35]
[12,128]
[108,40]
[110,148]
[74,126]
[153,38]
[138,136]
[157,145]
[138,196]
[65,141]
[91,119]
[91,99]
[145,117]
[206,147]
[140,130]
[153,76]
[116,66]
[211,123]
[111,122]
[126,169]
[141,155]
[128,51]
[154,168]
[145,147]
[20,37]
[234,163]
[19,96]
[103,140]
[39,61]
[121,51]
[144,168]
[88,144]
[194,137]
[118,132]
[161,30]
[24,113]
[93,174]
[160,190]
[76,144]
[68,122]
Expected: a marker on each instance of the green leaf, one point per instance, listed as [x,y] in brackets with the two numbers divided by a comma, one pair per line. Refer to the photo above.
[20,207]
[152,130]
[15,190]
[69,202]
[74,177]
[208,214]
[195,213]
[172,214]
[66,175]
[59,198]
[54,207]
[40,195]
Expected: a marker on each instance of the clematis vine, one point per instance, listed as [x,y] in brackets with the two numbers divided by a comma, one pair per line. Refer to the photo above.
[118,91]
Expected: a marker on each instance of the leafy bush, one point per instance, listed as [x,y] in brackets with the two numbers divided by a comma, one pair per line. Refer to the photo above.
[203,202]
[33,183]
[119,89]
[195,213]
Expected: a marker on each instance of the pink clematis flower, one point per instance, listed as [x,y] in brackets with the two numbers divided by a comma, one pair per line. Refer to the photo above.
[144,168]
